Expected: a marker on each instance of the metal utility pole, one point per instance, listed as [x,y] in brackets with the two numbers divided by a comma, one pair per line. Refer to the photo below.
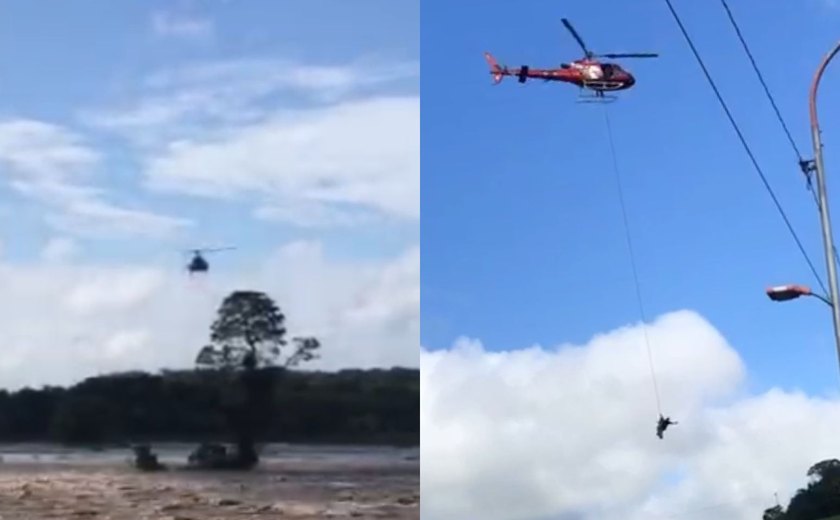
[819,170]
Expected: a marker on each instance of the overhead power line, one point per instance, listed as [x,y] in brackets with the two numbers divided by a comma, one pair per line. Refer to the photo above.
[745,144]
[761,79]
[803,164]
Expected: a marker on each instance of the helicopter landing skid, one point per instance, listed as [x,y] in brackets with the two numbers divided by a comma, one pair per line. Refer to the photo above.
[598,89]
[598,97]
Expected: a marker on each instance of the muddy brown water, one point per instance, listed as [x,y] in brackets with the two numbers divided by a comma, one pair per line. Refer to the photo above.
[309,485]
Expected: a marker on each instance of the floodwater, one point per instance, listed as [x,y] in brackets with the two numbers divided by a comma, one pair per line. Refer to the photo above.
[292,481]
[176,454]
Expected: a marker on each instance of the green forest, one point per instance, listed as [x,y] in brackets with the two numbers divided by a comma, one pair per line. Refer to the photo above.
[245,389]
[349,406]
[818,500]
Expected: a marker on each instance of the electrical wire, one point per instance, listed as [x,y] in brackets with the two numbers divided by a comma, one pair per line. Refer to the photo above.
[629,239]
[761,79]
[745,144]
[802,162]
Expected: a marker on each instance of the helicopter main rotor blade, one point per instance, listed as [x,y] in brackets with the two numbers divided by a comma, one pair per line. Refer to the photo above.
[197,251]
[630,55]
[577,37]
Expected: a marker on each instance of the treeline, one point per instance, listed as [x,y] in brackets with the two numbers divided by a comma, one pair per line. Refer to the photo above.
[351,406]
[818,500]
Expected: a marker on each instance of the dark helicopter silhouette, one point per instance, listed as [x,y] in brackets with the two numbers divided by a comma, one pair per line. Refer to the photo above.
[198,264]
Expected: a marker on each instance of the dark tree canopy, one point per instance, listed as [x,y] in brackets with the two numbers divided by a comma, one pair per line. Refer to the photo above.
[250,332]
[825,469]
[351,406]
[819,500]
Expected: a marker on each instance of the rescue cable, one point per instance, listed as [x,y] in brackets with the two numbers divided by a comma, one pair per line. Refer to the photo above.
[632,258]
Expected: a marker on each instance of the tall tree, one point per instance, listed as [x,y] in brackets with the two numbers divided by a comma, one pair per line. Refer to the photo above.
[825,470]
[249,333]
[774,513]
[820,498]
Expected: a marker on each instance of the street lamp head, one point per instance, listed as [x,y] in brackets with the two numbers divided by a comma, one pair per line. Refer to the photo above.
[782,293]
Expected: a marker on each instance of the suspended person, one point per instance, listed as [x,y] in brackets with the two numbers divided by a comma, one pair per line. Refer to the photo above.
[663,424]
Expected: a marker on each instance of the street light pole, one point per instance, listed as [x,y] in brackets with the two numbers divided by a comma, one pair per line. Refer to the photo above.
[819,170]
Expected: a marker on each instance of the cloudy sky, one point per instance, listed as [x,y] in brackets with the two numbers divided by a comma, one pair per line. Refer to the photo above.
[538,402]
[133,131]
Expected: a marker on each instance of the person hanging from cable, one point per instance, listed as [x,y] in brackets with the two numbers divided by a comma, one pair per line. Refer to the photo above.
[662,425]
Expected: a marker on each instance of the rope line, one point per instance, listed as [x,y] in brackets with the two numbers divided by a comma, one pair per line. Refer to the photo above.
[629,239]
[745,145]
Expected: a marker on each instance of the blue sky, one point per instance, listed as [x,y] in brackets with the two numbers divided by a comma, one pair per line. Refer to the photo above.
[67,65]
[133,131]
[521,229]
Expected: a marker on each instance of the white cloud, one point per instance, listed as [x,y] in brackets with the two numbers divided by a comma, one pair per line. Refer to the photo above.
[182,102]
[99,219]
[569,432]
[60,322]
[55,193]
[213,129]
[82,211]
[56,167]
[309,214]
[363,152]
[167,23]
[96,292]
[255,77]
[127,343]
[59,249]
[34,150]
[393,298]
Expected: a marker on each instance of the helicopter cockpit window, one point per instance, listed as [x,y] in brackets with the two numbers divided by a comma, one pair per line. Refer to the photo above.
[608,70]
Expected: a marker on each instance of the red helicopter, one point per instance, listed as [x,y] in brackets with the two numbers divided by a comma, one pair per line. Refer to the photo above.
[586,73]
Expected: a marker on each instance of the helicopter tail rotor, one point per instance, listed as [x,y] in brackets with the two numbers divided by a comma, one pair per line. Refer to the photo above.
[497,71]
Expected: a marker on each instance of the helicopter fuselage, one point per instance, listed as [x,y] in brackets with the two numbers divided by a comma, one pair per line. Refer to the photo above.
[198,265]
[585,73]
